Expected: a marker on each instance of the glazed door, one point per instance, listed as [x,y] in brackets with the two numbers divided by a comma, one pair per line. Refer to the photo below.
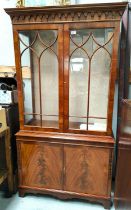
[40,165]
[40,69]
[90,53]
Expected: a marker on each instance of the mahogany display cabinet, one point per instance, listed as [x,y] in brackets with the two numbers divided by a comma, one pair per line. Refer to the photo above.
[66,61]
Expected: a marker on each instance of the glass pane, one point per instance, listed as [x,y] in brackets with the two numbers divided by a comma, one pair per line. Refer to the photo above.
[49,83]
[40,85]
[89,74]
[35,120]
[109,40]
[26,73]
[99,84]
[95,124]
[78,123]
[50,121]
[32,119]
[78,84]
[49,78]
[100,74]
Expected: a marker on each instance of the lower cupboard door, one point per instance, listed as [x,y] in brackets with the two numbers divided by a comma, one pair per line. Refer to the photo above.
[87,170]
[40,165]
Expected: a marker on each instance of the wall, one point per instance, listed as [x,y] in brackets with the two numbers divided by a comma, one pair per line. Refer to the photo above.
[6,38]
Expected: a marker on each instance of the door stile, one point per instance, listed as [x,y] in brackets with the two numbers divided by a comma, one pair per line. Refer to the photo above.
[66,76]
[113,77]
[61,69]
[19,78]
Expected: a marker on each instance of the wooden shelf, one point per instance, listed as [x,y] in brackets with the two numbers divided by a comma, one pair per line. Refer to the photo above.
[52,123]
[3,175]
[55,124]
[45,123]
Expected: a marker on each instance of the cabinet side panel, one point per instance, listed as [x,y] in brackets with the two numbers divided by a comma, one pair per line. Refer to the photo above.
[123,180]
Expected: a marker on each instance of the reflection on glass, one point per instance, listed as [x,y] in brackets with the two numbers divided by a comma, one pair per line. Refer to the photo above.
[99,84]
[40,64]
[32,119]
[90,62]
[78,83]
[26,75]
[77,123]
[48,121]
[126,118]
[49,83]
[95,124]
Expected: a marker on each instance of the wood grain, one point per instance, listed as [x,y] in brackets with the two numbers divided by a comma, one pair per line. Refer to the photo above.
[89,12]
[41,165]
[86,170]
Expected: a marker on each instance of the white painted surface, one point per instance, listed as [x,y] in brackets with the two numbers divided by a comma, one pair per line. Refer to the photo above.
[6,37]
[39,202]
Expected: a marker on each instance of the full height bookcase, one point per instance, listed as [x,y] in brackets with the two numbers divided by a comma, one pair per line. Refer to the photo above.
[66,60]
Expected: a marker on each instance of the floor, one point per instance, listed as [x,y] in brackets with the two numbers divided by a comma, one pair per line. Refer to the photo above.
[39,202]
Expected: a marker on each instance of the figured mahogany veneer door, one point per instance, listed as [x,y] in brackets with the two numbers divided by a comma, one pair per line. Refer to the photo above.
[41,165]
[87,170]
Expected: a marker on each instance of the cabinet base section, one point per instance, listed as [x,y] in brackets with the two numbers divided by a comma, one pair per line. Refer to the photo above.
[64,195]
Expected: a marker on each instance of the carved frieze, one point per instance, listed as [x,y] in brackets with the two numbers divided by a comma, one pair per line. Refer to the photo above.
[65,14]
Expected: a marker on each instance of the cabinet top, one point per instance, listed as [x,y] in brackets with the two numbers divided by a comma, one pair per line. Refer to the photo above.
[70,13]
